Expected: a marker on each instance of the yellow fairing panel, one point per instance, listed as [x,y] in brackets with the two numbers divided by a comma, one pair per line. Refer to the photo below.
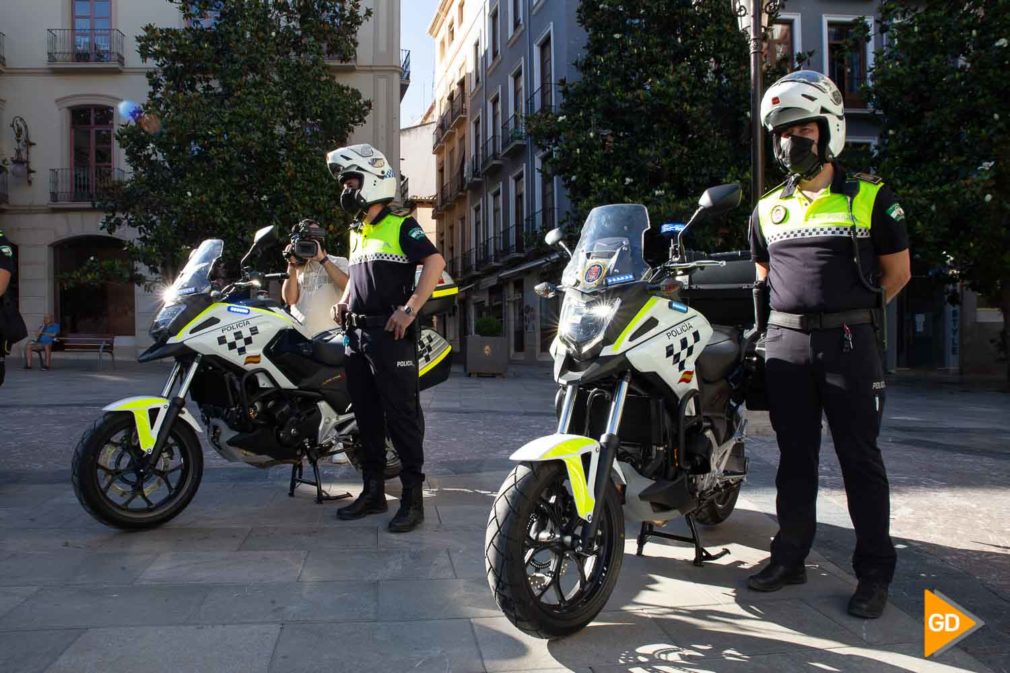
[569,449]
[140,407]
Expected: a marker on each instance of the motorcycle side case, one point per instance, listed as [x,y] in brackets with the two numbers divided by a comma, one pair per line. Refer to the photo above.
[433,363]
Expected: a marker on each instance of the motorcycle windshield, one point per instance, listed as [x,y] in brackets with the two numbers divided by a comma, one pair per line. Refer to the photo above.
[195,277]
[609,251]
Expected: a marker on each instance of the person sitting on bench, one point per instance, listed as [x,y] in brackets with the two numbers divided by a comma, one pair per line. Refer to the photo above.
[43,342]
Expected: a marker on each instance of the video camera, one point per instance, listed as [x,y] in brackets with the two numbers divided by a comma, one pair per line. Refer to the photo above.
[306,238]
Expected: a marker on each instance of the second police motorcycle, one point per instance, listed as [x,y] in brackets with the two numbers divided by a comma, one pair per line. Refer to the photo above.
[651,422]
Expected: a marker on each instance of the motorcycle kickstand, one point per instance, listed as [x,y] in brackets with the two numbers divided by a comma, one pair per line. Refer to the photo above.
[700,553]
[317,481]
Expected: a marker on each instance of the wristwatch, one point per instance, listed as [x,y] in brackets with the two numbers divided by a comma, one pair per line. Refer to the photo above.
[324,261]
[407,310]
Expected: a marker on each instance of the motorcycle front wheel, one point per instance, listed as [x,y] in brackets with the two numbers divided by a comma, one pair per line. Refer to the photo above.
[544,587]
[112,488]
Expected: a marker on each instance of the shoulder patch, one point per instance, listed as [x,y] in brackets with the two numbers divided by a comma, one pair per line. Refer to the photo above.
[895,212]
[872,179]
[417,233]
[6,250]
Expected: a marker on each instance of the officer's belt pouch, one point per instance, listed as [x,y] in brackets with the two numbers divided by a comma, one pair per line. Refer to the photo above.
[753,389]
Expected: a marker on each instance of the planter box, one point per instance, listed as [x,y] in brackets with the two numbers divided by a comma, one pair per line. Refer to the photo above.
[486,355]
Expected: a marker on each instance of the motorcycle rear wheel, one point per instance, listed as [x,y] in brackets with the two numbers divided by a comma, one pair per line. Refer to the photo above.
[106,480]
[529,567]
[718,509]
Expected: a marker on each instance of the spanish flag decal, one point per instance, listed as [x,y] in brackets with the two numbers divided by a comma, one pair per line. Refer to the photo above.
[687,376]
[252,359]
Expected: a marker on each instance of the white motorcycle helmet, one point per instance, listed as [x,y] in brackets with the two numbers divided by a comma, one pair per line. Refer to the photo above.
[369,165]
[804,96]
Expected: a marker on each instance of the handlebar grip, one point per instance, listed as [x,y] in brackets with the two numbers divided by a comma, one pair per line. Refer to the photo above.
[275,276]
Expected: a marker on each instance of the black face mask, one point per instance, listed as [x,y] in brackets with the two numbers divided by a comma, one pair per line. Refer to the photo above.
[797,156]
[351,201]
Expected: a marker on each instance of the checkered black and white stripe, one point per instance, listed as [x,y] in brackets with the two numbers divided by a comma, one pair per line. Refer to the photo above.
[683,351]
[237,340]
[365,257]
[813,232]
[429,346]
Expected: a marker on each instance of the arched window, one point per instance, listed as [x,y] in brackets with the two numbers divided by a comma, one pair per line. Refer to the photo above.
[90,297]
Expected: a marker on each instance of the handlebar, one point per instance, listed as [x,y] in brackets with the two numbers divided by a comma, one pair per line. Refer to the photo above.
[698,264]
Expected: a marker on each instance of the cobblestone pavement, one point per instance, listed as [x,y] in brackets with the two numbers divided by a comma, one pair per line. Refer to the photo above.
[248,579]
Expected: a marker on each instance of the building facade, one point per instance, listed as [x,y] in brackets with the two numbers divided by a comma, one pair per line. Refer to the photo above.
[65,66]
[497,62]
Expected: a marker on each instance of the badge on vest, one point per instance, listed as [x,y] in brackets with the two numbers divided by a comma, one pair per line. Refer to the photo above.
[779,214]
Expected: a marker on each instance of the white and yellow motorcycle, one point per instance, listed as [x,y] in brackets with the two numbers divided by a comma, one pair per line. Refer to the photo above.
[650,425]
[267,392]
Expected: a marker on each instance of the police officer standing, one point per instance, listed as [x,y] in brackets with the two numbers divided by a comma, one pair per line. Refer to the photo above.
[831,250]
[381,354]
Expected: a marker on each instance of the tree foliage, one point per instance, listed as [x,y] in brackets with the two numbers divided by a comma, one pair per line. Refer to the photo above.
[940,86]
[240,114]
[660,112]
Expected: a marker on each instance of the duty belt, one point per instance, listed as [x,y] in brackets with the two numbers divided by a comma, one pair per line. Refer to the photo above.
[816,321]
[363,321]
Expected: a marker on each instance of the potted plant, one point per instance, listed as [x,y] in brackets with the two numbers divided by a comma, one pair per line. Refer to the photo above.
[487,351]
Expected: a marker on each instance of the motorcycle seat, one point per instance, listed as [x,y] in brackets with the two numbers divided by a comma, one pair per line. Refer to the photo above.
[328,348]
[720,355]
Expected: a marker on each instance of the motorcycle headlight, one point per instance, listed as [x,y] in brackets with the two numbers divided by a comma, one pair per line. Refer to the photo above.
[162,321]
[583,323]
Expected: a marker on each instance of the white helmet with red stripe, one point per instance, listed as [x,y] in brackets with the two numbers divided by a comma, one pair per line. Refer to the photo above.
[805,96]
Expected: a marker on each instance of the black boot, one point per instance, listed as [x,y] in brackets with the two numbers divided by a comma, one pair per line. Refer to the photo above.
[869,600]
[411,512]
[774,576]
[371,501]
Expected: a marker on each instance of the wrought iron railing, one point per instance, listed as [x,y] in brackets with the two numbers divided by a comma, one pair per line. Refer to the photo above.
[513,132]
[492,153]
[405,64]
[67,45]
[3,188]
[475,167]
[545,99]
[457,109]
[80,185]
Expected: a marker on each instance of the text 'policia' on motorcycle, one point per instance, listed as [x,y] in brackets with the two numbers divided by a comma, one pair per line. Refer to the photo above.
[651,421]
[269,392]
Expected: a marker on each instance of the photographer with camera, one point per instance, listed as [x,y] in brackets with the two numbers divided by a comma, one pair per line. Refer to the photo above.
[315,279]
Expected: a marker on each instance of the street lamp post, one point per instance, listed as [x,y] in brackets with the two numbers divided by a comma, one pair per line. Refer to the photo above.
[753,18]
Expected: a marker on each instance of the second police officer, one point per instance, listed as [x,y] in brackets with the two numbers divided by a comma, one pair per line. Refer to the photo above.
[377,310]
[831,250]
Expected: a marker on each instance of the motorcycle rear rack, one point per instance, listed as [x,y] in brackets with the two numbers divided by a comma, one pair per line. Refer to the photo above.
[700,553]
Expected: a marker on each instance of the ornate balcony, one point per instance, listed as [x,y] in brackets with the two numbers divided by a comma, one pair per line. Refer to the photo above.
[82,185]
[85,49]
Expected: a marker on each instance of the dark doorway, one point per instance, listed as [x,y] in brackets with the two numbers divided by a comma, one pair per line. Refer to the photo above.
[98,307]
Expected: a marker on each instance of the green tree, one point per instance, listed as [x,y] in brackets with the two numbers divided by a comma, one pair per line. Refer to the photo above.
[659,114]
[241,111]
[940,85]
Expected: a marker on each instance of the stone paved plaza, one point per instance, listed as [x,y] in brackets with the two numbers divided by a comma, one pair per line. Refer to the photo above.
[250,580]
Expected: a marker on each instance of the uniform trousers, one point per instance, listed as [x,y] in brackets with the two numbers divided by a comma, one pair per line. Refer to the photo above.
[814,373]
[382,381]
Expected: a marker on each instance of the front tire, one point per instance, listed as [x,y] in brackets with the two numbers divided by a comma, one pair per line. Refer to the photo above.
[108,486]
[530,569]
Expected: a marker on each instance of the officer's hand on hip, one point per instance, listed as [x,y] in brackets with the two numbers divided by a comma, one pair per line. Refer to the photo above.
[398,323]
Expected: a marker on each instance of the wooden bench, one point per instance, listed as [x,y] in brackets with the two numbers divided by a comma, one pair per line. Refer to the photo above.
[103,344]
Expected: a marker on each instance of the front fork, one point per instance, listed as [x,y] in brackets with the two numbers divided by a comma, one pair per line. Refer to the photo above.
[609,441]
[175,407]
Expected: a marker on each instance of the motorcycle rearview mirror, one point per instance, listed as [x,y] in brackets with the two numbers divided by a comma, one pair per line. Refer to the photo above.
[546,290]
[555,238]
[721,199]
[260,238]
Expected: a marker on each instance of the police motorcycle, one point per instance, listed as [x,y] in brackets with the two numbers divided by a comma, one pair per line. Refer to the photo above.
[267,393]
[651,423]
